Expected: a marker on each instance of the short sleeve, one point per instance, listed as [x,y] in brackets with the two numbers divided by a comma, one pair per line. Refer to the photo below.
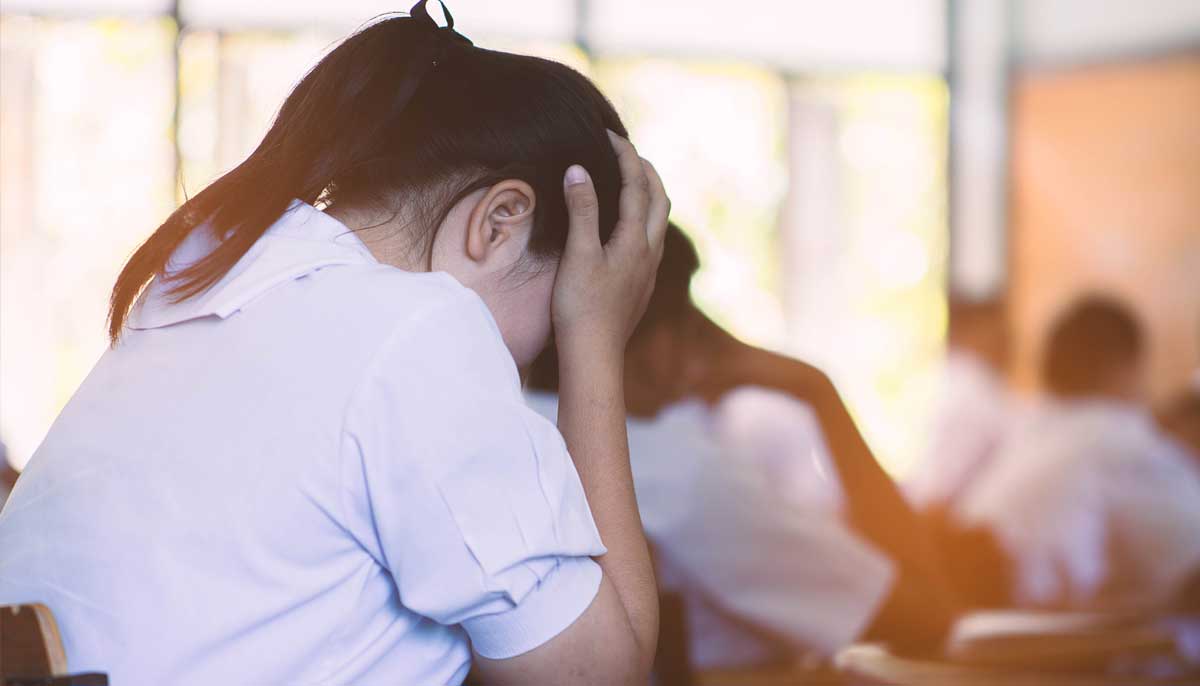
[466,496]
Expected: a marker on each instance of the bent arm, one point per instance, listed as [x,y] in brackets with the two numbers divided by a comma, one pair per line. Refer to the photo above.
[613,641]
[600,292]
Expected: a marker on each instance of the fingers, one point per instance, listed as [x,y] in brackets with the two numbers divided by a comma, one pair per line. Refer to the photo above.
[634,185]
[583,211]
[659,209]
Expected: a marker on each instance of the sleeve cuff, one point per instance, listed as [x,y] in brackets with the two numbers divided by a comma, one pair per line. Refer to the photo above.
[552,606]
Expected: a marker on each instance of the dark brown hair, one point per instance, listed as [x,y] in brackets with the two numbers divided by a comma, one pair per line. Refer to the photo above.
[1094,337]
[401,113]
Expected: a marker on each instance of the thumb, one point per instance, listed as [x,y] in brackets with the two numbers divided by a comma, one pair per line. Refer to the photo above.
[583,210]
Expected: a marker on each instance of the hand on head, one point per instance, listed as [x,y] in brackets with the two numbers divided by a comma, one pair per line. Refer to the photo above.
[601,291]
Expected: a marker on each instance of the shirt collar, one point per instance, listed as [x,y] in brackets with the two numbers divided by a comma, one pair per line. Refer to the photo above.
[302,241]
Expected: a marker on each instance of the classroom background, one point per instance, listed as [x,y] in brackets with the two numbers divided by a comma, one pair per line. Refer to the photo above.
[843,167]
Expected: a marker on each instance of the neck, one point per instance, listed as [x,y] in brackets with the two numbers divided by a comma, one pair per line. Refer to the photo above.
[386,235]
[652,383]
[643,396]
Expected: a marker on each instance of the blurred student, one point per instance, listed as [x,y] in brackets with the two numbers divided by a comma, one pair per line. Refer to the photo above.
[975,413]
[975,409]
[306,457]
[1094,506]
[765,575]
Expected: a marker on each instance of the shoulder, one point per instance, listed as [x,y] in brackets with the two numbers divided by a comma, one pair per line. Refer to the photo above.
[440,342]
[386,321]
[427,307]
[382,291]
[753,411]
[764,403]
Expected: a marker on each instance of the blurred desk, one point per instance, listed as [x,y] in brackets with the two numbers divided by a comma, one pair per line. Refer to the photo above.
[770,676]
[872,665]
[1017,648]
[1011,648]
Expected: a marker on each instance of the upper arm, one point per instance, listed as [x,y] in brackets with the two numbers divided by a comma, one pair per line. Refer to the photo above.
[466,496]
[597,649]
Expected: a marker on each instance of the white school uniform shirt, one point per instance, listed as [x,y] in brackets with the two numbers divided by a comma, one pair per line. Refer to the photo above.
[319,471]
[779,437]
[1096,508]
[760,575]
[975,413]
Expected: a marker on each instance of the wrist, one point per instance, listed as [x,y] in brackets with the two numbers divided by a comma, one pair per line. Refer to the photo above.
[593,350]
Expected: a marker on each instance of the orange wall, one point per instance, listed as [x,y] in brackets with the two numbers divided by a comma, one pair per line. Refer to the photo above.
[1106,195]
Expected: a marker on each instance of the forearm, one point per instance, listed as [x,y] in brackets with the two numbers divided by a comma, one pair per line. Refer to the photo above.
[591,417]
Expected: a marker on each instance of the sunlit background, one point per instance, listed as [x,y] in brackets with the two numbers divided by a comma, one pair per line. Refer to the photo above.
[822,155]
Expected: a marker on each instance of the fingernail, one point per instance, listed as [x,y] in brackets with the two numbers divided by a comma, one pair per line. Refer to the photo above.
[576,175]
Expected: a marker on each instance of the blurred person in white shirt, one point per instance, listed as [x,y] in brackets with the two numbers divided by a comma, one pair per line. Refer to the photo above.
[975,408]
[1096,508]
[975,412]
[766,508]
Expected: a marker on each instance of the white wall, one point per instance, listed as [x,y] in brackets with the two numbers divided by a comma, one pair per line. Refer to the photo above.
[801,35]
[1076,31]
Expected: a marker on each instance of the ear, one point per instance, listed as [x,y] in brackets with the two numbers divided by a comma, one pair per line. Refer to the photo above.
[501,220]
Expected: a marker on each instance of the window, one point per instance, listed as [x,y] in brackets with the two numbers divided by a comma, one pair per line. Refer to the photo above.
[817,201]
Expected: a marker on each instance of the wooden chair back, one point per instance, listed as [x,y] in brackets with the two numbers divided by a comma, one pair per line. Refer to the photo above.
[29,642]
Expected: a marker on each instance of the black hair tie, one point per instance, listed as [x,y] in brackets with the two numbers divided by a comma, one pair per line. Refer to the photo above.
[443,35]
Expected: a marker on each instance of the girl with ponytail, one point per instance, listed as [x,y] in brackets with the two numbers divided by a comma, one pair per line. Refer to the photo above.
[305,457]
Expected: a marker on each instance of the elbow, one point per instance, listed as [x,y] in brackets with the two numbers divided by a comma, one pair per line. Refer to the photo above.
[628,666]
[645,633]
[645,665]
[635,663]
